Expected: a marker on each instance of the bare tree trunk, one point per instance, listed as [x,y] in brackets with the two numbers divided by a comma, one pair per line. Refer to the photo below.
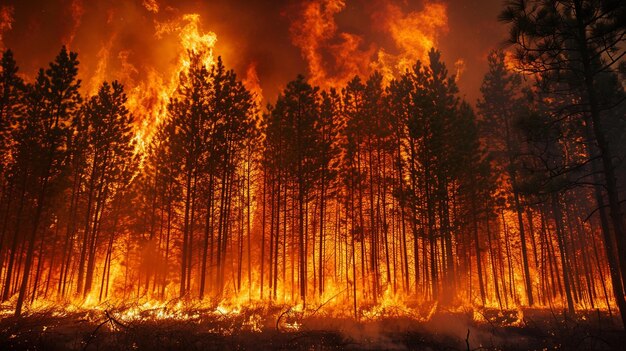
[564,261]
[16,233]
[208,230]
[479,265]
[493,265]
[606,153]
[31,246]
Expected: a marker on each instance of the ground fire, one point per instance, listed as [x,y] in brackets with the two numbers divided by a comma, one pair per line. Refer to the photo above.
[315,174]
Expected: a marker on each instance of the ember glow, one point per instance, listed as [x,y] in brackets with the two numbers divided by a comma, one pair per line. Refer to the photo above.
[146,180]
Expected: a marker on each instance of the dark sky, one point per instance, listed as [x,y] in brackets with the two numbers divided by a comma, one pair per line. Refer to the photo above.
[248,32]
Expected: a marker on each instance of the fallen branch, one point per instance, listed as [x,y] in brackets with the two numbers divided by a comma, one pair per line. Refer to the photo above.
[109,319]
[113,320]
[93,334]
[280,317]
[325,302]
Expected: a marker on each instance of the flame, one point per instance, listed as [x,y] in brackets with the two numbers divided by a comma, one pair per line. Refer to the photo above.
[334,56]
[310,32]
[151,5]
[413,34]
[149,98]
[76,11]
[459,65]
[253,83]
[101,67]
[316,33]
[513,64]
[6,21]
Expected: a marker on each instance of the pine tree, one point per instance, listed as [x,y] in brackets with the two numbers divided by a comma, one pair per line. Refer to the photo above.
[11,111]
[574,41]
[52,102]
[499,105]
[108,126]
[11,108]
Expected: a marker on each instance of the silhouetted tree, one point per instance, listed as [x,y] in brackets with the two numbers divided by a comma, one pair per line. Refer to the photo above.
[52,102]
[499,107]
[575,42]
[108,150]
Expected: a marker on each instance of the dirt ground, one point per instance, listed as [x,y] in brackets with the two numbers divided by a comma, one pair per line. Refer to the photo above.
[281,329]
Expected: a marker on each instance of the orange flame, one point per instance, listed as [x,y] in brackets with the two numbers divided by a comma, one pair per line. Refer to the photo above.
[101,67]
[149,98]
[459,65]
[253,83]
[315,32]
[6,21]
[76,11]
[334,57]
[151,5]
[413,34]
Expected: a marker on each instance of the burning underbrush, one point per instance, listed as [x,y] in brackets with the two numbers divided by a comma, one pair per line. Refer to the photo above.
[188,325]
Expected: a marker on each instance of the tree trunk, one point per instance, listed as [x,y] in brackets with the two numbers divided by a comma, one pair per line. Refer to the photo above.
[564,262]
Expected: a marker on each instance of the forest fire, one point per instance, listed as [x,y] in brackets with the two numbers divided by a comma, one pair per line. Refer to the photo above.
[161,176]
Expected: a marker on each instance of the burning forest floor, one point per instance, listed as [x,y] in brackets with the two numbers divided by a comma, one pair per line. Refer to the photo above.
[178,327]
